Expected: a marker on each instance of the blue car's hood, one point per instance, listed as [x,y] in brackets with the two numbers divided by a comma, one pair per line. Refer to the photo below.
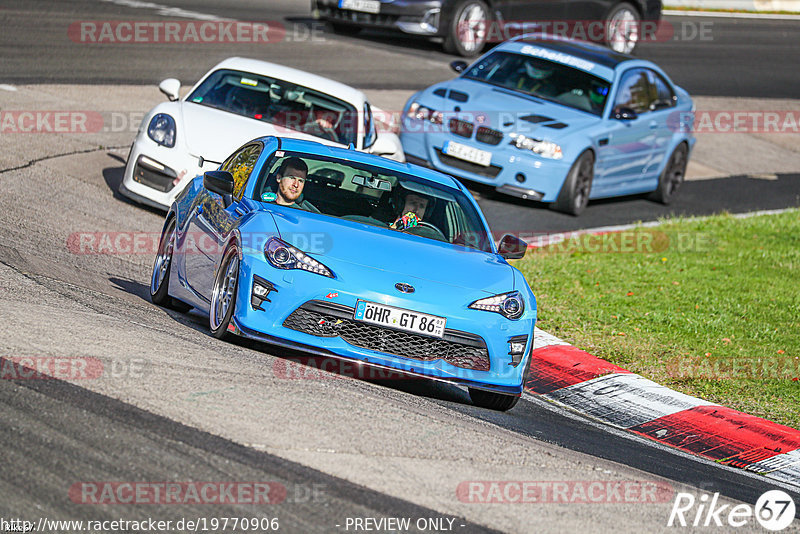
[336,241]
[507,110]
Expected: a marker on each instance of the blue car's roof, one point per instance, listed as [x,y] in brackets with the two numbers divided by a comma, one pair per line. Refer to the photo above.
[580,49]
[312,147]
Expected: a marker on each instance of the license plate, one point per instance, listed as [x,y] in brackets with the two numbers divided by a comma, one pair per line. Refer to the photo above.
[367,6]
[410,321]
[467,153]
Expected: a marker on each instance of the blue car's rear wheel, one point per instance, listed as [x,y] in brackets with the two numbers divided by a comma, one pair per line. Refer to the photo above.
[673,175]
[223,296]
[491,400]
[159,281]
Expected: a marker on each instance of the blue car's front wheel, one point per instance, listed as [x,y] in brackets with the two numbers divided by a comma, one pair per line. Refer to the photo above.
[223,296]
[159,281]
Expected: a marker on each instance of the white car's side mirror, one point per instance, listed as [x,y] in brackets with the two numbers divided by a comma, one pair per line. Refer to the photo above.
[170,87]
[388,144]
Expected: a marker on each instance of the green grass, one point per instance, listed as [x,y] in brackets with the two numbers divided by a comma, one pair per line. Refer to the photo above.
[709,307]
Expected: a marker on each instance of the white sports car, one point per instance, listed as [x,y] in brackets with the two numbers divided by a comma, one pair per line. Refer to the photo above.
[236,101]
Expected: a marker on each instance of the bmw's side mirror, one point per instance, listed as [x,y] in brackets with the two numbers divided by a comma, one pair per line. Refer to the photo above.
[220,182]
[623,114]
[459,66]
[170,87]
[511,247]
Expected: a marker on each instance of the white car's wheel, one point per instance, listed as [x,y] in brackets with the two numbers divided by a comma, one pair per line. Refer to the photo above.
[468,30]
[623,28]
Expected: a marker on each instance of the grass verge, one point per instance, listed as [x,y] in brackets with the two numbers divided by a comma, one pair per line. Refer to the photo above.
[709,307]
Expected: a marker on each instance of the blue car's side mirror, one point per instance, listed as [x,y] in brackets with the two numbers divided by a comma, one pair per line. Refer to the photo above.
[220,182]
[624,114]
[511,247]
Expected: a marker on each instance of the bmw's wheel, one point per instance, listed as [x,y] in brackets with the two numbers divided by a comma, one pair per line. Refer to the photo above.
[673,175]
[159,281]
[574,194]
[223,296]
[491,400]
[468,29]
[623,26]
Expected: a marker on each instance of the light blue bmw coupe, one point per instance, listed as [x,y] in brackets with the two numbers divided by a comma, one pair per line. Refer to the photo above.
[352,256]
[556,121]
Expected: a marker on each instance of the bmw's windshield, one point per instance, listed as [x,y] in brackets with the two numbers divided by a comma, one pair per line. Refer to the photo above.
[541,78]
[278,102]
[372,195]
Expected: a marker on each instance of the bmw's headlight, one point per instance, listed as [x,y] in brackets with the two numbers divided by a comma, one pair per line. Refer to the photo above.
[509,305]
[284,256]
[547,149]
[423,113]
[162,130]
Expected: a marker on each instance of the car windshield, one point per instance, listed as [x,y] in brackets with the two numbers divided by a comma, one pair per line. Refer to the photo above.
[284,104]
[372,195]
[543,79]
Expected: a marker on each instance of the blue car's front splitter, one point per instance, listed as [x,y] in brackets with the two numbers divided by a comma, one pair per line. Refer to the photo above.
[236,328]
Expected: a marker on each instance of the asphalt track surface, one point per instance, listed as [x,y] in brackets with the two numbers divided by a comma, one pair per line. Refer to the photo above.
[179,422]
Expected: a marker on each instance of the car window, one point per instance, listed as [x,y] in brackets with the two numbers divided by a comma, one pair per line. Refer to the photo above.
[543,79]
[665,97]
[279,102]
[373,195]
[370,134]
[635,92]
[240,165]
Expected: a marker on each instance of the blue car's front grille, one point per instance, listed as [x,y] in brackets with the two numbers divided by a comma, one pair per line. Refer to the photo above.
[461,128]
[325,319]
[488,136]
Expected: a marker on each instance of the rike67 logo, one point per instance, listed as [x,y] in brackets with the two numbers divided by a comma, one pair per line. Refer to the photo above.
[774,510]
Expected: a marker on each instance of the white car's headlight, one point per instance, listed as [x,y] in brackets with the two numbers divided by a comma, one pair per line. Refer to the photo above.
[162,130]
[546,149]
[284,256]
[423,113]
[510,305]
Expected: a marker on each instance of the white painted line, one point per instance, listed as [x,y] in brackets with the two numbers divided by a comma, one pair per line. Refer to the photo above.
[542,339]
[786,462]
[727,15]
[167,11]
[6,87]
[625,399]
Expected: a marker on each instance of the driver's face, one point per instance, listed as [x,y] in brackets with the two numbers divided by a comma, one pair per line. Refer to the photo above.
[290,185]
[415,203]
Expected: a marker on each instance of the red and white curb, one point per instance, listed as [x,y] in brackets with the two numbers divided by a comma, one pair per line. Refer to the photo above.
[596,388]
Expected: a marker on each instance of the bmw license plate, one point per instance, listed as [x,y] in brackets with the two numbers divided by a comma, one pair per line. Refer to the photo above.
[467,153]
[367,6]
[410,321]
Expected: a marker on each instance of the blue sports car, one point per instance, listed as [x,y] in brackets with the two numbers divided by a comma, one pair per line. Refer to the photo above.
[556,121]
[349,255]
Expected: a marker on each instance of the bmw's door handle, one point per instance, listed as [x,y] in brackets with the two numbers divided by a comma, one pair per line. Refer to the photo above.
[653,125]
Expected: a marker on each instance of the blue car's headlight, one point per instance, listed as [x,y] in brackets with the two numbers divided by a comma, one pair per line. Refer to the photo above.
[284,256]
[423,113]
[547,149]
[509,305]
[162,130]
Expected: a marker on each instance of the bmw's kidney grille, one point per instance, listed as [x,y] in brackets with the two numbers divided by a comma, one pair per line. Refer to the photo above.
[325,319]
[489,136]
[461,128]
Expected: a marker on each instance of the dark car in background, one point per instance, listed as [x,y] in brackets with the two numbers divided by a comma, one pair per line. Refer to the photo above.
[465,26]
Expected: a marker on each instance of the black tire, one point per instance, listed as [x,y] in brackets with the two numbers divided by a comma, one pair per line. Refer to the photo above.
[673,175]
[574,194]
[623,28]
[493,401]
[223,295]
[159,280]
[468,28]
[344,29]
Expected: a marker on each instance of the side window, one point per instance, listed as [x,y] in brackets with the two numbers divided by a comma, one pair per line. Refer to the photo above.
[240,165]
[369,126]
[664,97]
[635,92]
